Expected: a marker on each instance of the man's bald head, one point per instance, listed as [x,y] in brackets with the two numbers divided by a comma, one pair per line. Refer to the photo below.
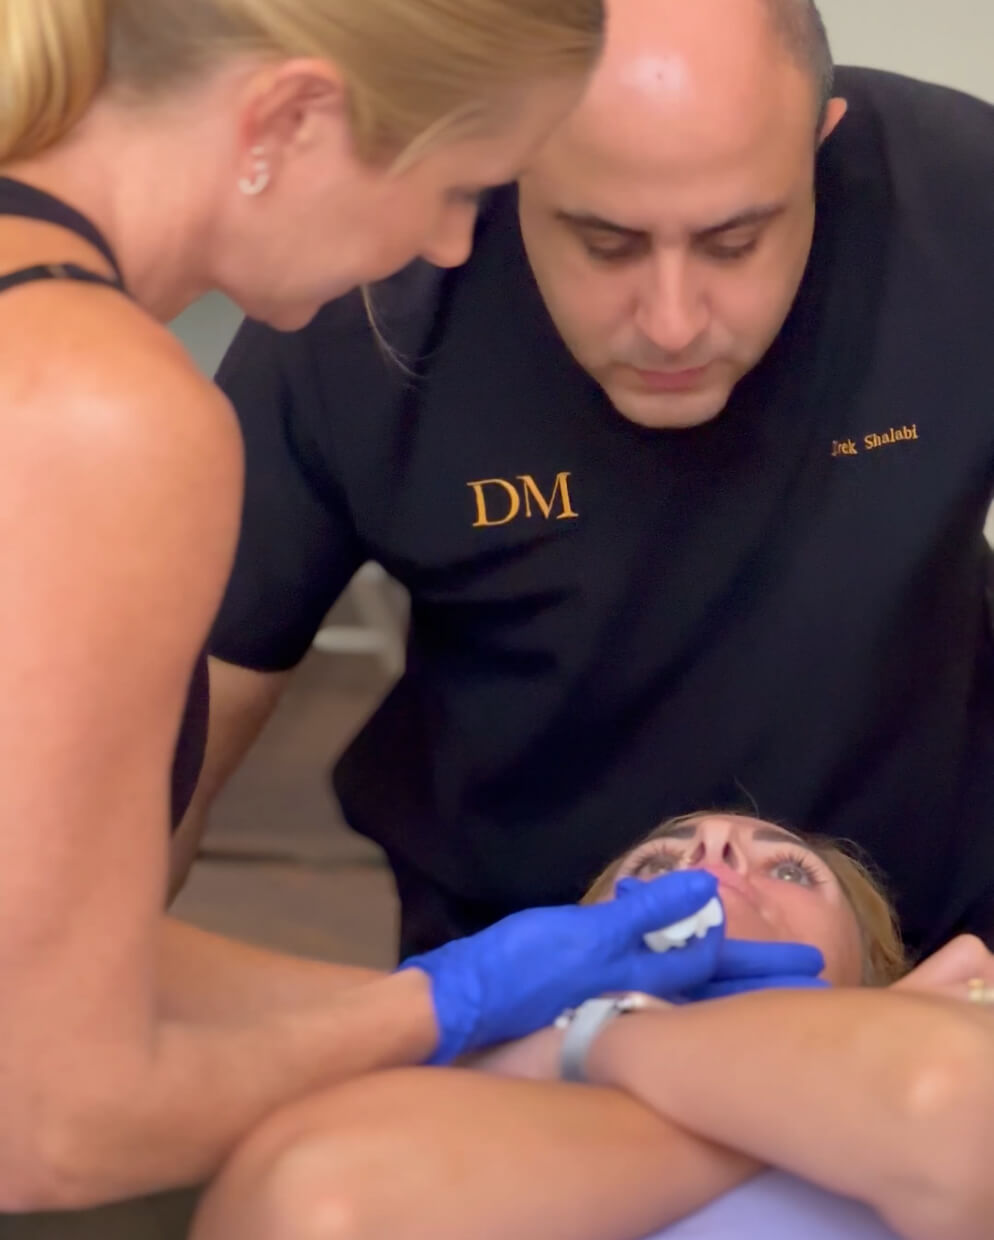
[710,54]
[799,25]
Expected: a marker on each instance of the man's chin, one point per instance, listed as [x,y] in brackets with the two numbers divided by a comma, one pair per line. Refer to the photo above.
[670,410]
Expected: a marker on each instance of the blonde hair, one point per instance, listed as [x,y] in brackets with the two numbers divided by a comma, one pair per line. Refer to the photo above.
[415,69]
[884,956]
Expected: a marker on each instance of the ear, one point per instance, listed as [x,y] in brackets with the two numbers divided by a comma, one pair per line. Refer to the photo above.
[836,110]
[289,107]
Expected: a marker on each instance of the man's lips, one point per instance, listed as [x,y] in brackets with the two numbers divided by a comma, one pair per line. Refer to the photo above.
[670,380]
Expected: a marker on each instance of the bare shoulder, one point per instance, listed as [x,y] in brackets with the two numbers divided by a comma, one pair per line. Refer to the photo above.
[87,378]
[88,358]
[108,430]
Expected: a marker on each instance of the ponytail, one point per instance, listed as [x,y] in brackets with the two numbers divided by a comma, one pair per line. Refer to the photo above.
[53,58]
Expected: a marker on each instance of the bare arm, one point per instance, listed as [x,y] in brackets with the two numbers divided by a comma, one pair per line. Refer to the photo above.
[457,1154]
[121,472]
[205,976]
[880,1096]
[242,700]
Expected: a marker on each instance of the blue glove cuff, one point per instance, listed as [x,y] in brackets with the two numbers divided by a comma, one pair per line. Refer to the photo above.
[455,1014]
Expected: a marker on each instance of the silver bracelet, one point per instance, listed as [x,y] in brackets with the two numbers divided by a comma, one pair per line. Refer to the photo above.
[584,1024]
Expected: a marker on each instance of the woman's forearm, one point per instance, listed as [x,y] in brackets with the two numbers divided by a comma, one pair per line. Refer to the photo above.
[206,977]
[879,1096]
[169,1116]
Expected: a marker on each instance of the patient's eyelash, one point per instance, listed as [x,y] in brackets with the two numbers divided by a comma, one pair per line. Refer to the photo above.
[800,859]
[660,857]
[656,858]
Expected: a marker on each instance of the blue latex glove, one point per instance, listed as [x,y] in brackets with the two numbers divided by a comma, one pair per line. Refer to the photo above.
[517,976]
[744,965]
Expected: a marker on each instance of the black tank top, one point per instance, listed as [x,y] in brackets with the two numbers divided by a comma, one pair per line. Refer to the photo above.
[19,199]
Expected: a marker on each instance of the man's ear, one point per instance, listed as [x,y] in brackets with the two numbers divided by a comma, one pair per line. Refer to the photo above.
[836,110]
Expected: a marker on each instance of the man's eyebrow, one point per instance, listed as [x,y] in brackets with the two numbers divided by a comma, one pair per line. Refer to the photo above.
[586,219]
[743,219]
[754,215]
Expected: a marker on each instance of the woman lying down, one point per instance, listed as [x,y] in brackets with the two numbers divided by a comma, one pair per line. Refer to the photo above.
[878,1089]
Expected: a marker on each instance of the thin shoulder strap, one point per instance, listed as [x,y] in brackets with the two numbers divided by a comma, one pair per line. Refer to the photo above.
[56,271]
[17,198]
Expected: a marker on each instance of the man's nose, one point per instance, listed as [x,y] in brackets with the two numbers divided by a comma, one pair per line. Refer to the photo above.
[672,311]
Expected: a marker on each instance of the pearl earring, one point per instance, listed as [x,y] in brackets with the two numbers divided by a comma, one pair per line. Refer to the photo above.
[251,186]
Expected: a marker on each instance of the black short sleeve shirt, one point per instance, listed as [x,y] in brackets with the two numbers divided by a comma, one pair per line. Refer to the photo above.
[783,609]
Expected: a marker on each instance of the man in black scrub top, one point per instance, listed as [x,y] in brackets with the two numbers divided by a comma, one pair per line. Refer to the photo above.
[688,491]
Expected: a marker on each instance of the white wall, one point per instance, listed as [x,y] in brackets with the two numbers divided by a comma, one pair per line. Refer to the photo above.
[207,328]
[946,41]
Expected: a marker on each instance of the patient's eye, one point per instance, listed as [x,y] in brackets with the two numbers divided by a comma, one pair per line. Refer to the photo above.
[794,868]
[654,858]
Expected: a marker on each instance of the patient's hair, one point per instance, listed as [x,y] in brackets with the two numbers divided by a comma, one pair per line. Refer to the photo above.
[884,956]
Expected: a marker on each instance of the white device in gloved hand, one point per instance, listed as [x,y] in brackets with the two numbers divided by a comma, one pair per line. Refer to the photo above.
[680,933]
[518,975]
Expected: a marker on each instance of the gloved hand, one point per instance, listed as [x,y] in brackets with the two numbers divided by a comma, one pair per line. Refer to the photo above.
[744,965]
[518,975]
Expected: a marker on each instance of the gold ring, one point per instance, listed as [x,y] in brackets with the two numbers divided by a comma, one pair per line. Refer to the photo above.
[977,991]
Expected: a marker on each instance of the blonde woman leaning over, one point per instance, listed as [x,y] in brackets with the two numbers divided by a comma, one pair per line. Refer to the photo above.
[865,1092]
[282,151]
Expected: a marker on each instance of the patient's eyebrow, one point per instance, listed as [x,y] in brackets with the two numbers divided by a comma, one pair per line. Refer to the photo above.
[762,835]
[777,835]
[683,831]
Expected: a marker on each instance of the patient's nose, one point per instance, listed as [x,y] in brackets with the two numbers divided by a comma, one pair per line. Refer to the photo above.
[718,845]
